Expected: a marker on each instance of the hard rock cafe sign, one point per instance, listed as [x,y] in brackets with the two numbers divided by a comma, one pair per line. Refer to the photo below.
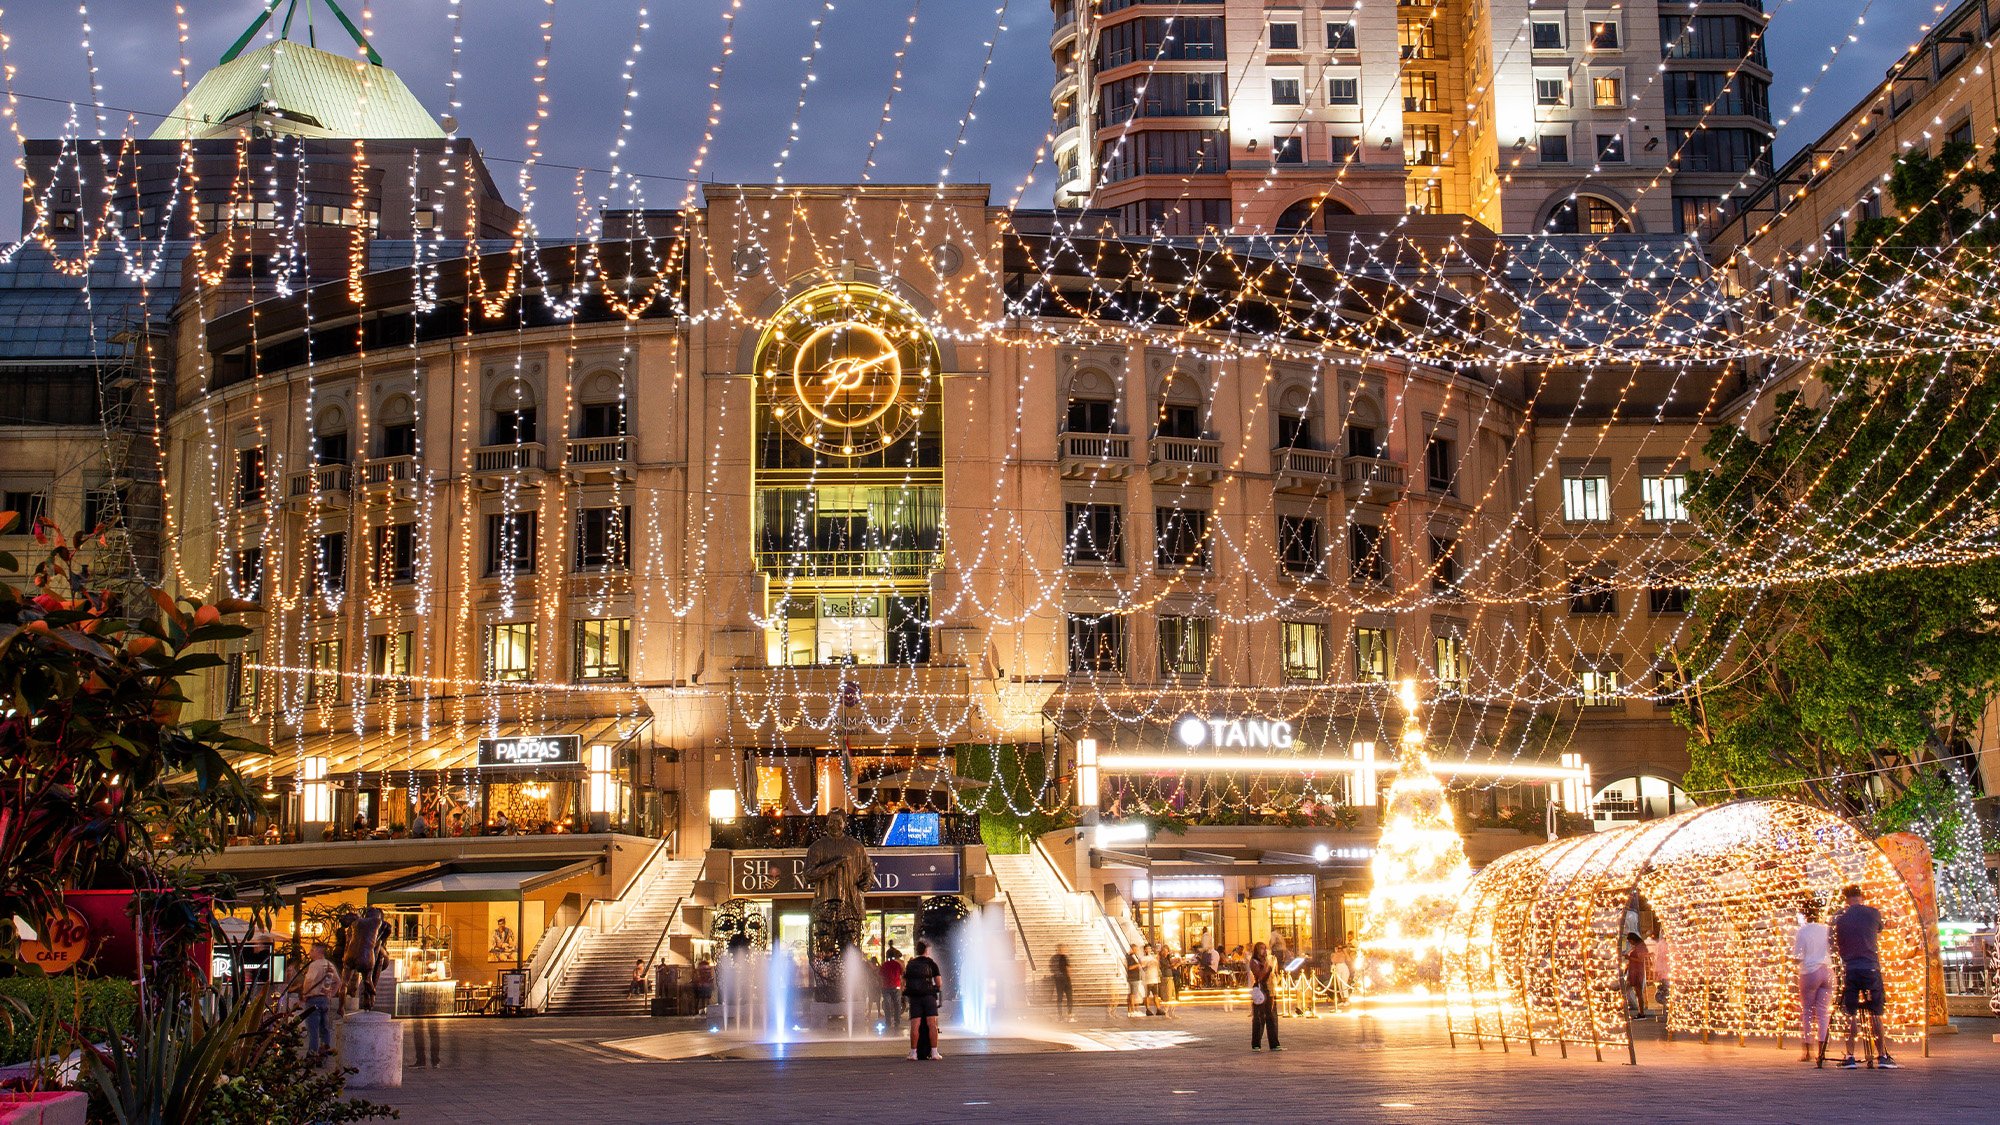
[61,944]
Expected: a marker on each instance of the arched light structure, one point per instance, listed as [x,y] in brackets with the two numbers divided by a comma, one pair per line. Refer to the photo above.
[1532,953]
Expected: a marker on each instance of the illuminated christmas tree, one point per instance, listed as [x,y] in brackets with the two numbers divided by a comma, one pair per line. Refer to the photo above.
[1420,871]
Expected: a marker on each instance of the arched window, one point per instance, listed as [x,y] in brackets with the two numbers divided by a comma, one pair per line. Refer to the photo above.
[330,437]
[1180,408]
[1093,404]
[1308,216]
[1641,797]
[1589,214]
[601,414]
[1365,436]
[514,414]
[1294,427]
[399,426]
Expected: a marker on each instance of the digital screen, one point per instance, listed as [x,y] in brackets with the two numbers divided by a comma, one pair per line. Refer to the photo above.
[913,829]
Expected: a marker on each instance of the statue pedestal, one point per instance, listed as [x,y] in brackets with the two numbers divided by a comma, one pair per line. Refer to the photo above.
[372,1044]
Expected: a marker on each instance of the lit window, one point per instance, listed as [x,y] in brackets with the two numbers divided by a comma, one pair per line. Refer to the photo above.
[1448,654]
[1184,646]
[1587,498]
[1305,650]
[1665,497]
[603,648]
[1371,655]
[324,684]
[389,663]
[510,651]
[1608,90]
[1598,687]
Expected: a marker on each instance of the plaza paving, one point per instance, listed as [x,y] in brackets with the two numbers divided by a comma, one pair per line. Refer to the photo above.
[551,1072]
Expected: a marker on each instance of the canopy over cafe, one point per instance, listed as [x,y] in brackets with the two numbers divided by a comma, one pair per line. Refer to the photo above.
[559,776]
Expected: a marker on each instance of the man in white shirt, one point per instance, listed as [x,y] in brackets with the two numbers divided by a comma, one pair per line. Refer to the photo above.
[319,986]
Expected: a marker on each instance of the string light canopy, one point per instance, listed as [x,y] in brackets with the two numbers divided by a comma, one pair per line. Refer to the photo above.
[1532,953]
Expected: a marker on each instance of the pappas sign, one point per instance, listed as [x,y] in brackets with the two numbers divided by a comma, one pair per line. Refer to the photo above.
[905,873]
[532,750]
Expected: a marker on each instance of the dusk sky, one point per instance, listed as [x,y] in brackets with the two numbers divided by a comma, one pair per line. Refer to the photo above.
[134,43]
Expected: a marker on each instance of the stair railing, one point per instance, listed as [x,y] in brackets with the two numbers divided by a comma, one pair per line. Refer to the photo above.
[541,989]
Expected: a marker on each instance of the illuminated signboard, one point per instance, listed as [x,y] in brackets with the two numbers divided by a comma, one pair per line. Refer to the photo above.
[531,750]
[1193,730]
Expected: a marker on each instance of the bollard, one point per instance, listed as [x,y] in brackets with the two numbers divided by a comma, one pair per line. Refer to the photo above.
[372,1044]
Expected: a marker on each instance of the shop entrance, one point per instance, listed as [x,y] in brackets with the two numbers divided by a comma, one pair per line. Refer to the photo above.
[791,923]
[1180,924]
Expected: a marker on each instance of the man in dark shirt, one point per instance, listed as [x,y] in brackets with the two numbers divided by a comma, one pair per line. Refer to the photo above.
[1855,932]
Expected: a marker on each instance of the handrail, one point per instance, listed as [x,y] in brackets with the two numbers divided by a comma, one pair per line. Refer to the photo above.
[1117,935]
[1020,930]
[672,917]
[556,968]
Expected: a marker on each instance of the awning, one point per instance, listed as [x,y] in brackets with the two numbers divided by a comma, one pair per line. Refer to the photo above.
[461,883]
[925,778]
[447,748]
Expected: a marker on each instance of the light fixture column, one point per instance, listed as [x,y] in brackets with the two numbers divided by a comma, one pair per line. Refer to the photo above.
[603,792]
[1086,808]
[315,800]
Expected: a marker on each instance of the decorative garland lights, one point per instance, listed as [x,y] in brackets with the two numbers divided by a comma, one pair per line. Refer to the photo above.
[1419,873]
[1539,353]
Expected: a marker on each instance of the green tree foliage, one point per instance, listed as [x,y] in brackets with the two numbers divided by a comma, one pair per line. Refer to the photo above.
[1859,670]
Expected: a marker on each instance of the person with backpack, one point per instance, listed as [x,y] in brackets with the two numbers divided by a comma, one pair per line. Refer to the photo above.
[1263,998]
[319,986]
[923,986]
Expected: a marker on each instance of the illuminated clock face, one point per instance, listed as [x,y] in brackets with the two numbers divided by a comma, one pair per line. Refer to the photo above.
[847,369]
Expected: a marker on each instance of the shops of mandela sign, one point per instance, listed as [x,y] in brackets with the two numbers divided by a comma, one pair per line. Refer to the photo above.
[896,873]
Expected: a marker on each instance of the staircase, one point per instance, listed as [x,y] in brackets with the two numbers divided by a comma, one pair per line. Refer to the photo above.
[598,980]
[1046,913]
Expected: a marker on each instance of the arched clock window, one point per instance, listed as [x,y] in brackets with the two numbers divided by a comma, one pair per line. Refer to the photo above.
[847,376]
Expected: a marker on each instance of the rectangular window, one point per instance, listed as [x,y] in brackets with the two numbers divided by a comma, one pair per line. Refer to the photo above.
[510,543]
[389,663]
[1284,37]
[1367,554]
[603,649]
[1305,650]
[1096,534]
[1598,687]
[1372,660]
[1425,197]
[1298,545]
[1340,36]
[1548,34]
[1667,599]
[1184,645]
[1552,88]
[1417,38]
[250,476]
[1343,91]
[1592,593]
[510,651]
[1555,148]
[1096,643]
[324,684]
[1342,149]
[1088,416]
[1294,432]
[1288,150]
[1665,496]
[514,427]
[1448,659]
[399,439]
[1607,89]
[601,420]
[1423,144]
[1611,148]
[250,574]
[1284,91]
[330,449]
[330,565]
[1603,33]
[1586,496]
[1361,442]
[396,552]
[1440,466]
[1444,566]
[1182,540]
[1420,91]
[1698,215]
[603,539]
[246,679]
[1669,686]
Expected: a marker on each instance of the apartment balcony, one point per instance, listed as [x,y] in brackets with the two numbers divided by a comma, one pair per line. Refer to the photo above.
[1065,30]
[1371,479]
[494,465]
[322,486]
[1312,472]
[1096,456]
[864,563]
[1184,460]
[599,459]
[393,478]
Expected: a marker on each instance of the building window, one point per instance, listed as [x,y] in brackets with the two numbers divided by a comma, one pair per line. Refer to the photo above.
[1178,421]
[1342,149]
[1665,497]
[1548,34]
[399,439]
[1423,144]
[1440,467]
[1343,91]
[1284,37]
[510,651]
[1669,685]
[1417,38]
[1699,215]
[1298,544]
[1284,91]
[1555,148]
[1096,643]
[603,649]
[1667,599]
[330,449]
[1586,496]
[1598,687]
[1295,431]
[1367,554]
[1552,89]
[396,552]
[1340,36]
[1603,34]
[243,679]
[1182,541]
[1088,416]
[603,539]
[1372,660]
[250,476]
[1288,150]
[1592,593]
[1425,197]
[1305,650]
[1444,566]
[1607,89]
[1611,148]
[323,685]
[1095,534]
[1184,645]
[250,574]
[1361,442]
[389,663]
[1420,91]
[1448,660]
[601,420]
[330,565]
[510,543]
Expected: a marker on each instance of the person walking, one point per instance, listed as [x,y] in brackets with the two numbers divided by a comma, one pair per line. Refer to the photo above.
[1809,946]
[891,974]
[1149,975]
[1856,930]
[1263,1001]
[1635,974]
[1059,976]
[638,987]
[923,984]
[1135,981]
[1663,967]
[318,986]
[704,983]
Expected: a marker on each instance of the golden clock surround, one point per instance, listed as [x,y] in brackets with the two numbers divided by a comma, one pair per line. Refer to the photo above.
[847,368]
